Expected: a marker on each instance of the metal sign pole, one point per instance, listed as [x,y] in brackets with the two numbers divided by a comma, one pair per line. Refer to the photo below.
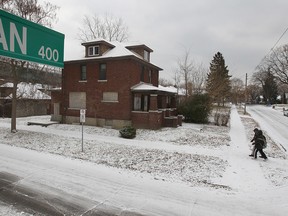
[82,120]
[82,137]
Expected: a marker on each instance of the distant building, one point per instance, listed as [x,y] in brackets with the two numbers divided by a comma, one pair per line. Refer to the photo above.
[117,85]
[30,100]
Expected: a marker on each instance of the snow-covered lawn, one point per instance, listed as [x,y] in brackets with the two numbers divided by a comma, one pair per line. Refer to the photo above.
[194,155]
[159,153]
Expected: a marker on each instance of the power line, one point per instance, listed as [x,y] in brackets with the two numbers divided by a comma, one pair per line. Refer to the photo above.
[272,49]
[279,38]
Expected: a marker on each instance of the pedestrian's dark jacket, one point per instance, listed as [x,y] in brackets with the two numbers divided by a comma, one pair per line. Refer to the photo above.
[255,135]
[259,140]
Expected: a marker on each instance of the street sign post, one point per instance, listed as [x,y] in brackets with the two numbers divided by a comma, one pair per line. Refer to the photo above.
[24,40]
[82,115]
[82,120]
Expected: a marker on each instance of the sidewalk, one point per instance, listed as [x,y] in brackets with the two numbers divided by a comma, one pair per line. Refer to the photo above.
[243,173]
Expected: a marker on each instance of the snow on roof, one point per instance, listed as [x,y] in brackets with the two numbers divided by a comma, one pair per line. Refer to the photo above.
[55,89]
[171,89]
[149,87]
[144,87]
[9,85]
[27,91]
[119,50]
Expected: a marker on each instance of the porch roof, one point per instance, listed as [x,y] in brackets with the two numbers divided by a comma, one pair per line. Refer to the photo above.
[147,87]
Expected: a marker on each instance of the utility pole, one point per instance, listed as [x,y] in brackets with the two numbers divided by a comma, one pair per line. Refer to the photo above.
[245,94]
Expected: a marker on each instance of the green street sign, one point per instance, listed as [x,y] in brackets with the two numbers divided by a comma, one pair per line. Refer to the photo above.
[24,40]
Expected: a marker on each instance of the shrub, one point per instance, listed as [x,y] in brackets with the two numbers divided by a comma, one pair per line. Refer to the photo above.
[196,109]
[128,132]
[222,117]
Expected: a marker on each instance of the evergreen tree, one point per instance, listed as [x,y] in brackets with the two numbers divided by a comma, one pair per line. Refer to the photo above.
[270,88]
[218,80]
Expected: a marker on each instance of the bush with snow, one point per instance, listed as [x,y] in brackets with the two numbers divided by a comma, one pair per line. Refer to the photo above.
[128,132]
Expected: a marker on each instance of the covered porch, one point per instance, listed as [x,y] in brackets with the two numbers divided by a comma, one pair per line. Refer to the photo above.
[154,107]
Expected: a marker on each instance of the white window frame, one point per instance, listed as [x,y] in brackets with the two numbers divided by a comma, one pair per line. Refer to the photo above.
[95,50]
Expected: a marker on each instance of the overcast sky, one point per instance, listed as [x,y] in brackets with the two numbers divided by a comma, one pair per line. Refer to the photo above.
[242,30]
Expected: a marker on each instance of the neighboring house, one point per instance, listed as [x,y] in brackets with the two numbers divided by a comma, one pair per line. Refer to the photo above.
[30,100]
[117,85]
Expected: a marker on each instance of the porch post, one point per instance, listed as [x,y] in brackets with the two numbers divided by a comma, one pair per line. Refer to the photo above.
[155,117]
[153,102]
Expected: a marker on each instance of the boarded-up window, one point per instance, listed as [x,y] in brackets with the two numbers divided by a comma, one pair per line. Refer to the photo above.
[77,100]
[110,96]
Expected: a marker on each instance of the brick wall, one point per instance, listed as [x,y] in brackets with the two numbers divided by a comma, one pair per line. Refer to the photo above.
[121,75]
[140,119]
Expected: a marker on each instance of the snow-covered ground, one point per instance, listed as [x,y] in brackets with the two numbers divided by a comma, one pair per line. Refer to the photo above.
[208,159]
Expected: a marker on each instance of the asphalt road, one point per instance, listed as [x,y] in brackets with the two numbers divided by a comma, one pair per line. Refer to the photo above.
[273,122]
[38,184]
[56,202]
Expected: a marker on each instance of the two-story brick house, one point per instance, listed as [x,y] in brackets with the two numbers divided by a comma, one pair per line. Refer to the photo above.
[117,85]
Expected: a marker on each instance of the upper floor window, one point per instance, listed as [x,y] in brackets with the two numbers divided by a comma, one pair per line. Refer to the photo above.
[146,55]
[150,76]
[93,50]
[102,71]
[142,74]
[83,74]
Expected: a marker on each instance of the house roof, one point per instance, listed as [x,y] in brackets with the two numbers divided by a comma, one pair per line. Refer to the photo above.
[99,41]
[132,45]
[117,50]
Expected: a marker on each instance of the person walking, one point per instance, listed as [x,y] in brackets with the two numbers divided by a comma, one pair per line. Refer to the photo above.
[253,142]
[260,141]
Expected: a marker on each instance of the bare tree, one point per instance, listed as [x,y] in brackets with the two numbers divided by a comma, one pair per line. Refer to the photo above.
[253,93]
[43,14]
[31,10]
[283,90]
[277,62]
[165,82]
[237,90]
[107,27]
[186,66]
[198,78]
